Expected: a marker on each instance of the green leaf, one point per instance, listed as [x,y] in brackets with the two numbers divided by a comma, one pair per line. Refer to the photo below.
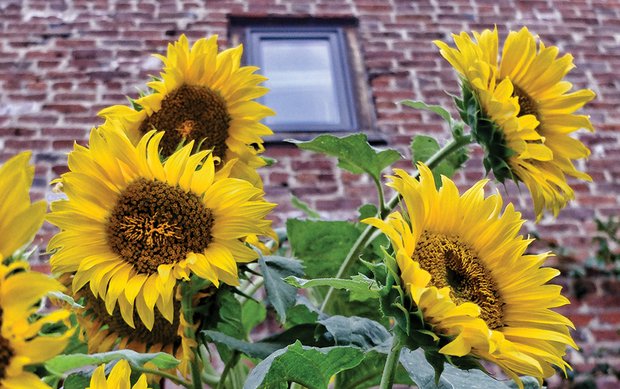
[304,333]
[528,383]
[222,313]
[60,364]
[304,207]
[361,287]
[280,294]
[368,373]
[301,313]
[353,152]
[321,245]
[252,314]
[424,147]
[309,366]
[79,380]
[355,331]
[65,298]
[423,374]
[367,210]
[439,110]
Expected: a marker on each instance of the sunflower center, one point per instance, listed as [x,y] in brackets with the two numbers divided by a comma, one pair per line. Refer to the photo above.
[527,105]
[154,224]
[163,331]
[6,352]
[453,264]
[191,113]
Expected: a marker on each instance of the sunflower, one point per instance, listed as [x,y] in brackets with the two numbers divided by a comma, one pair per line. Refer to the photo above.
[464,267]
[105,332]
[528,111]
[20,342]
[19,219]
[204,96]
[119,378]
[133,225]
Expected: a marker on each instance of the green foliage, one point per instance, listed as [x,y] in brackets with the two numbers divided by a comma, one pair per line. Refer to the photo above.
[361,288]
[310,366]
[134,103]
[304,207]
[424,374]
[279,294]
[61,364]
[355,331]
[65,299]
[354,153]
[252,314]
[439,110]
[322,245]
[367,210]
[304,333]
[228,320]
[424,147]
[78,380]
[368,373]
[608,243]
[486,133]
[302,313]
[268,161]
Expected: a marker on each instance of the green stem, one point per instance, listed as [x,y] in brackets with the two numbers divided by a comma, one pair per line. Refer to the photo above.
[382,206]
[210,379]
[188,314]
[389,370]
[171,377]
[364,238]
[229,365]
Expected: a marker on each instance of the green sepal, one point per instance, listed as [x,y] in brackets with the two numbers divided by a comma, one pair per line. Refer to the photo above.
[134,103]
[268,160]
[486,133]
[392,296]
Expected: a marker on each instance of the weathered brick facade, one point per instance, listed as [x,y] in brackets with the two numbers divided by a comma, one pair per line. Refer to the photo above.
[62,61]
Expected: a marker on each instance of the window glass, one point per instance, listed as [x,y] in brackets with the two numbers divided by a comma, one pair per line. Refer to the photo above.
[301,81]
[308,78]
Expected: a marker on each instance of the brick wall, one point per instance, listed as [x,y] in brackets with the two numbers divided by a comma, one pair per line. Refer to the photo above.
[62,61]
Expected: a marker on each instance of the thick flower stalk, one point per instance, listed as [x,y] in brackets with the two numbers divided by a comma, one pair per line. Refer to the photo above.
[207,97]
[522,112]
[463,266]
[132,226]
[104,332]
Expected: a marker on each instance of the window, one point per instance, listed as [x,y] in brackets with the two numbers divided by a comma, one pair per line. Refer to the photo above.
[309,80]
[316,82]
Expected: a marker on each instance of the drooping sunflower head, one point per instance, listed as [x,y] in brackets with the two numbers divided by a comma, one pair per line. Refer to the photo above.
[464,267]
[20,341]
[204,96]
[520,110]
[119,378]
[132,226]
[19,219]
[105,331]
